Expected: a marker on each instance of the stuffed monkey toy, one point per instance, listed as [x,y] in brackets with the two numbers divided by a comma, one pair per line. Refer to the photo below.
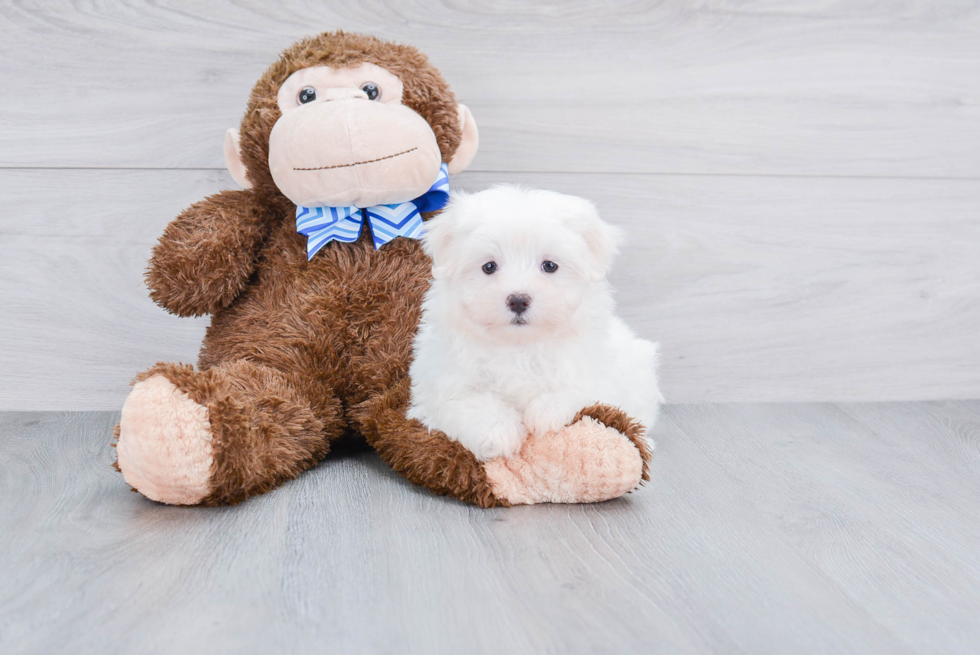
[313,275]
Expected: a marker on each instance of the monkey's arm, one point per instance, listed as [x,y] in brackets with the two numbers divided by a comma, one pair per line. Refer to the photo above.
[207,254]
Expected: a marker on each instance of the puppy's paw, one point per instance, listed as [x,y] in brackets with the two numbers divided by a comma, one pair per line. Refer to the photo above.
[503,439]
[549,412]
[497,435]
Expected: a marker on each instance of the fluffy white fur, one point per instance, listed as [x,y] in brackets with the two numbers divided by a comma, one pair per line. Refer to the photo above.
[487,376]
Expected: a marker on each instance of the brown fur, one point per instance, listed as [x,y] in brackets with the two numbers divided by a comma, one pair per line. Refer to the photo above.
[206,255]
[263,433]
[302,352]
[427,459]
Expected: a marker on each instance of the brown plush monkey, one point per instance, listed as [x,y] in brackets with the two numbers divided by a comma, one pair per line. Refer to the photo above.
[306,346]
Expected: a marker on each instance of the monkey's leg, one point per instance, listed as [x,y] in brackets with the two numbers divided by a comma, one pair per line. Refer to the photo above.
[218,436]
[600,456]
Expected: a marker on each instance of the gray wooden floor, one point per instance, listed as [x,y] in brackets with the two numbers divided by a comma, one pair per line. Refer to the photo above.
[794,528]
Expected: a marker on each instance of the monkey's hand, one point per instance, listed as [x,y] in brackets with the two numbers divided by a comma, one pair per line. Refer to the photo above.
[207,254]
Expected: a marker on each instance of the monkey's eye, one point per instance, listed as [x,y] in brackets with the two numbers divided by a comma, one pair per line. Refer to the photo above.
[308,94]
[490,268]
[549,266]
[372,90]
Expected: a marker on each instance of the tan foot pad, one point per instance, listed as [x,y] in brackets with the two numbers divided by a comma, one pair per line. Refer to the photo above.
[585,462]
[164,446]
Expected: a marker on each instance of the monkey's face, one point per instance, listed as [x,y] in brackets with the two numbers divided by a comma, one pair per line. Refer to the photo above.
[345,138]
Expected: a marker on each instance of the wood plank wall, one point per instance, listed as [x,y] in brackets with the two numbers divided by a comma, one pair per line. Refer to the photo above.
[800,180]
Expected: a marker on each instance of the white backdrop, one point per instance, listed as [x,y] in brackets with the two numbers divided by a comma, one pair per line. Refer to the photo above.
[800,180]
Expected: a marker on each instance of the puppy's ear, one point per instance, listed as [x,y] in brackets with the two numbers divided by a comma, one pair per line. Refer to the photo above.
[601,238]
[440,238]
[436,240]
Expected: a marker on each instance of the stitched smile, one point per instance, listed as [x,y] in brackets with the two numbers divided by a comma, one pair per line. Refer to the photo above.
[358,163]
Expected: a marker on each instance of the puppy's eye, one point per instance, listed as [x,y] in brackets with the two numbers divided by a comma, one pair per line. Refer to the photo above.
[549,266]
[308,94]
[372,90]
[490,268]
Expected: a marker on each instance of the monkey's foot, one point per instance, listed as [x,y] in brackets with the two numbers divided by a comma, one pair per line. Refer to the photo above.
[585,462]
[165,443]
[218,436]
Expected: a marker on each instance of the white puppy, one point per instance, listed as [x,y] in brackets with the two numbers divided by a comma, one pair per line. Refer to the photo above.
[518,332]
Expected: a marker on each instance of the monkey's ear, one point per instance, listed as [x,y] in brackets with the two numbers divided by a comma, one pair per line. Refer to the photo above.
[469,143]
[233,159]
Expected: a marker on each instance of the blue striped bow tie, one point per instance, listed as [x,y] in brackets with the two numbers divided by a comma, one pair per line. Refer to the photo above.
[321,225]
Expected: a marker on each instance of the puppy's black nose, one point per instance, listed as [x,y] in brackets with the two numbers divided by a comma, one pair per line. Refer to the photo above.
[518,302]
